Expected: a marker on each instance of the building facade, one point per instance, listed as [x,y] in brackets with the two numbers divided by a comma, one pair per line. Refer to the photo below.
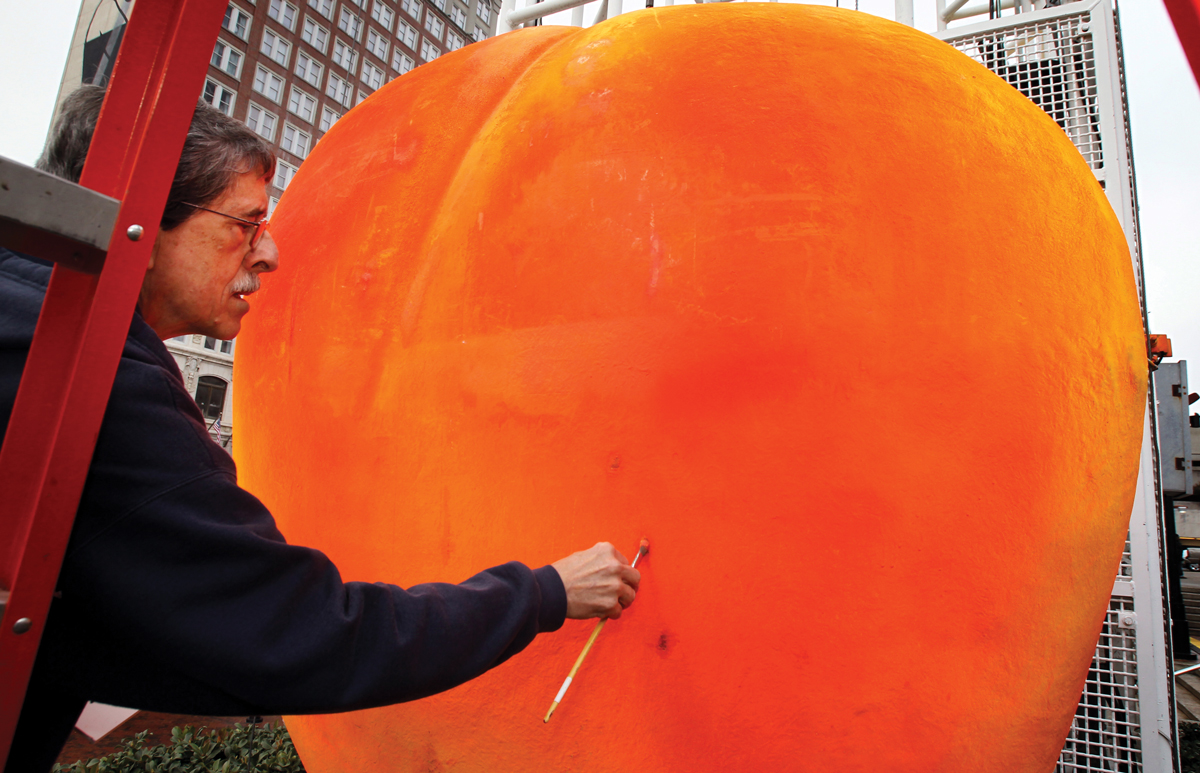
[288,69]
[291,68]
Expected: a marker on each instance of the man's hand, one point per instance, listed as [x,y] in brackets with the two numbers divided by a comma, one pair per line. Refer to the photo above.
[599,582]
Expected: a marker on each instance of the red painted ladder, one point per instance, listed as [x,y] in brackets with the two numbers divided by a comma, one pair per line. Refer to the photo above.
[86,314]
[1185,15]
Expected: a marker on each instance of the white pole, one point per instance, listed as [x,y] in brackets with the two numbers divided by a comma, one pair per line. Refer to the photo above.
[946,13]
[537,10]
[904,12]
[502,24]
[614,8]
[978,10]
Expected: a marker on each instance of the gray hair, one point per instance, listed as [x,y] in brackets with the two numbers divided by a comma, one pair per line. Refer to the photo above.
[216,150]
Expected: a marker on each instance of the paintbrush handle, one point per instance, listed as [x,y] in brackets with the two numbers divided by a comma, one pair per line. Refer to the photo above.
[575,669]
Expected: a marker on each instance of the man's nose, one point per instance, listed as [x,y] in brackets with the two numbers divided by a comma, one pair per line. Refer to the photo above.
[264,258]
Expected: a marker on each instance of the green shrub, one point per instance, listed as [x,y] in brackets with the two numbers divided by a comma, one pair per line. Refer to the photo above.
[239,749]
[1189,747]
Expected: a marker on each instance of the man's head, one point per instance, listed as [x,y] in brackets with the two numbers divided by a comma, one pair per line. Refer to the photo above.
[203,262]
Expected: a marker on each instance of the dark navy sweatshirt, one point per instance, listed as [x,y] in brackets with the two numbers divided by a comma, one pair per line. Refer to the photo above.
[179,594]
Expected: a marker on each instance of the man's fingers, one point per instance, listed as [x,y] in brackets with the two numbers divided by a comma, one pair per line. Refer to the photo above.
[612,549]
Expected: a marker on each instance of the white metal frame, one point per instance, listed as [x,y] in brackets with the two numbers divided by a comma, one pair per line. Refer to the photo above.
[954,10]
[512,17]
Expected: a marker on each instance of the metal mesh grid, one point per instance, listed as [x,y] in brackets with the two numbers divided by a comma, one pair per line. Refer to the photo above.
[1125,570]
[1053,63]
[1106,733]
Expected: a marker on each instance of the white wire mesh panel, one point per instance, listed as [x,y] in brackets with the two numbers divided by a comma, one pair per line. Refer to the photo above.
[1054,64]
[1106,733]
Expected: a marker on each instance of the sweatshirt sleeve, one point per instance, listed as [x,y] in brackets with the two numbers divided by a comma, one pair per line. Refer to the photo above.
[205,579]
[178,592]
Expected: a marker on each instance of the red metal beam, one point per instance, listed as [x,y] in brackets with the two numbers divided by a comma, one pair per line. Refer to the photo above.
[84,320]
[1185,15]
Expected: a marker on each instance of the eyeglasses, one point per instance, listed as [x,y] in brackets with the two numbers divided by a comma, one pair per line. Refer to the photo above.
[260,226]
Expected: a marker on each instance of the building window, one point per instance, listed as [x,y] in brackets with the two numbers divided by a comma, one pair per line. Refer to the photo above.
[441,5]
[295,141]
[350,24]
[484,11]
[219,96]
[276,48]
[227,347]
[302,105]
[382,14]
[328,118]
[454,42]
[401,62]
[268,84]
[284,13]
[308,69]
[344,56]
[227,59]
[377,44]
[210,393]
[324,7]
[315,35]
[429,51]
[412,8]
[434,25]
[459,17]
[371,75]
[261,122]
[340,90]
[360,3]
[271,204]
[284,172]
[407,35]
[237,21]
[480,33]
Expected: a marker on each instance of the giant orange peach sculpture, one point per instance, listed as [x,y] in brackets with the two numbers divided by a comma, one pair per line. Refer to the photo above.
[837,318]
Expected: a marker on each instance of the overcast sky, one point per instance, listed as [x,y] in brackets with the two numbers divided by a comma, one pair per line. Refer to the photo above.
[1164,109]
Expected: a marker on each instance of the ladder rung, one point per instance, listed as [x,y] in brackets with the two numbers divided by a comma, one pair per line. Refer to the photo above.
[53,219]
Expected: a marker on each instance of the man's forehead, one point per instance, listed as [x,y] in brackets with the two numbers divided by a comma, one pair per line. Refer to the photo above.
[248,195]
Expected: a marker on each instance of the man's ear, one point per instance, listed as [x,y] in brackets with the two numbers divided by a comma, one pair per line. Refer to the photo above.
[153,254]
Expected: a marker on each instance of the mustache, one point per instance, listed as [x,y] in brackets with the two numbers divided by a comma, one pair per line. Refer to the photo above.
[246,284]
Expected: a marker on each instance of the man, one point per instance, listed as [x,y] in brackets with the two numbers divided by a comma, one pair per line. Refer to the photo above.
[177,592]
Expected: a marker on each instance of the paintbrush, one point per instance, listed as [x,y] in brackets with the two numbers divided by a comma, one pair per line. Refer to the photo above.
[643,549]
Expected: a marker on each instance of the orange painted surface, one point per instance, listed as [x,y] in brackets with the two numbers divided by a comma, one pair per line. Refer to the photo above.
[838,319]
